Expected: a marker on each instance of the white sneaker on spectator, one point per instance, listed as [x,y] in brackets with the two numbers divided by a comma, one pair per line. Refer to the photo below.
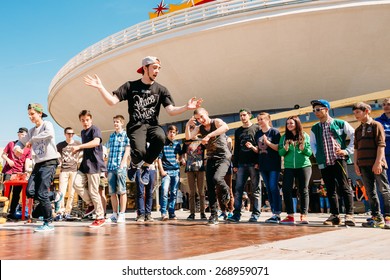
[113,218]
[121,218]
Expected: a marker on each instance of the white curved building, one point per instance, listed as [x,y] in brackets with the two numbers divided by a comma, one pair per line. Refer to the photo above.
[237,53]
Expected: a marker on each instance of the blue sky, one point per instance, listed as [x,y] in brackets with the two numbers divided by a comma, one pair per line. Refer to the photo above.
[39,36]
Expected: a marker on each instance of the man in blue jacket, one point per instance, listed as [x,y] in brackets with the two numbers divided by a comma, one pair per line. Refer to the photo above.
[384,119]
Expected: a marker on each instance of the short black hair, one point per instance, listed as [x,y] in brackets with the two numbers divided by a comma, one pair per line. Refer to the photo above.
[85,113]
[172,127]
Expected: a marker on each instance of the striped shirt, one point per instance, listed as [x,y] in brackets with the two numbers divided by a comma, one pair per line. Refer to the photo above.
[117,145]
[169,155]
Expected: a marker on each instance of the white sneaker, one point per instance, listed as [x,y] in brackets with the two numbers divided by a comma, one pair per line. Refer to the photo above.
[113,218]
[121,218]
[222,216]
[44,228]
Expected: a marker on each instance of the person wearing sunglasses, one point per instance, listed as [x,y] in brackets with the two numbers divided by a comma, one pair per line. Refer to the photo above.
[68,163]
[328,140]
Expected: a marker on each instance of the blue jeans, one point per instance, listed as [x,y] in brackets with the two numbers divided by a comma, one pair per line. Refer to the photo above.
[244,172]
[117,181]
[271,179]
[169,184]
[366,205]
[381,202]
[38,187]
[295,202]
[324,201]
[369,180]
[145,193]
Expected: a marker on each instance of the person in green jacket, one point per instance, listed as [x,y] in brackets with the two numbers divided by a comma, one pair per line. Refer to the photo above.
[294,146]
[328,140]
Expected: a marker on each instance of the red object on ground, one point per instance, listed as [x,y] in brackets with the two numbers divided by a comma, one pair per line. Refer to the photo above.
[23,183]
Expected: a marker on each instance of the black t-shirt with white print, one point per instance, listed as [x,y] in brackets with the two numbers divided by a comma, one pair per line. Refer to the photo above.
[144,101]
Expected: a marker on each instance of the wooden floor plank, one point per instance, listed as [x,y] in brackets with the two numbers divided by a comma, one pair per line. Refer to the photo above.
[157,240]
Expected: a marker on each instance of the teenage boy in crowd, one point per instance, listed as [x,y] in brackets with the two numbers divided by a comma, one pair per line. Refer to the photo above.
[144,97]
[86,183]
[244,162]
[328,140]
[41,140]
[370,163]
[119,152]
[169,167]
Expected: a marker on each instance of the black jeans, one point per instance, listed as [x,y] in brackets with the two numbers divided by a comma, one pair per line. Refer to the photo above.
[216,170]
[303,176]
[38,187]
[141,134]
[336,176]
[373,183]
[39,210]
[16,190]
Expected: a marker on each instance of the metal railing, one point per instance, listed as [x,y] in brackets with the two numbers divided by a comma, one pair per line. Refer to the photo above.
[201,13]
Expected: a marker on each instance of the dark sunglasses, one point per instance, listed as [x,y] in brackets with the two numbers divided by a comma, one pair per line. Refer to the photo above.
[318,109]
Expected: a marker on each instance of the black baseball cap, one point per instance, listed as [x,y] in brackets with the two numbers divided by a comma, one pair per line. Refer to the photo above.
[22,129]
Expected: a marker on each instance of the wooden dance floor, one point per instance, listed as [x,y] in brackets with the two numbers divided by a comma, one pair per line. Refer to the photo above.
[151,241]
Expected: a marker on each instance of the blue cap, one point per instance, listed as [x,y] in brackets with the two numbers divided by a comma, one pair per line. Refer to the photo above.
[321,102]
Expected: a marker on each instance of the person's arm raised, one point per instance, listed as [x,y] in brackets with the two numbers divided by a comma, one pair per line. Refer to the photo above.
[95,82]
[221,126]
[192,104]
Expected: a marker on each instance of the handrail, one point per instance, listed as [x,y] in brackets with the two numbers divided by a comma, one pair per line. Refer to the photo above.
[211,10]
